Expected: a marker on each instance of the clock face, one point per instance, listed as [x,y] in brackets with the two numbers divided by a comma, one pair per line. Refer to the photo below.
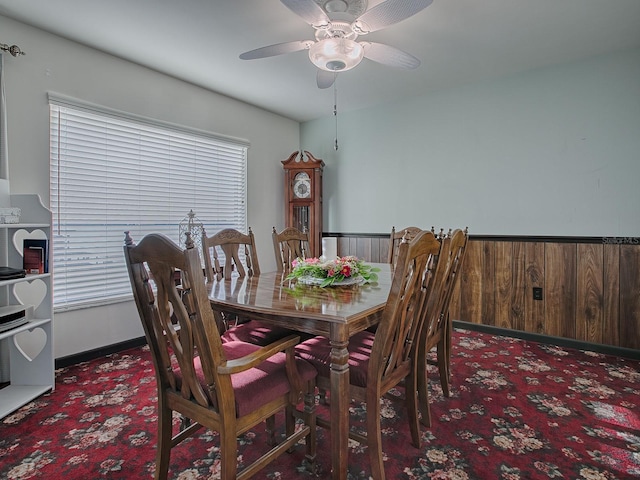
[302,185]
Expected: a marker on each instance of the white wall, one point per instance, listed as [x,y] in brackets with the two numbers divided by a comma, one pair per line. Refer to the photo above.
[554,151]
[55,64]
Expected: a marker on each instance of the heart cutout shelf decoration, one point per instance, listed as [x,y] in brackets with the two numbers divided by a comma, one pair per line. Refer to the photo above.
[30,293]
[30,343]
[20,235]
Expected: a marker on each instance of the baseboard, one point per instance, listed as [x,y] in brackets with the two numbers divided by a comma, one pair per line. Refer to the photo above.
[99,352]
[548,339]
[505,332]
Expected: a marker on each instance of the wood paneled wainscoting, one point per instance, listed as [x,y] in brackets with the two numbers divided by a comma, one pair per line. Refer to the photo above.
[589,287]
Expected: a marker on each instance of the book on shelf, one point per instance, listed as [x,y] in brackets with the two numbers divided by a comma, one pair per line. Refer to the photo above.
[35,255]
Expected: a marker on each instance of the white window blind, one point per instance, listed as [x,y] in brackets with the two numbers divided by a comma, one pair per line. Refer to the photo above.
[113,172]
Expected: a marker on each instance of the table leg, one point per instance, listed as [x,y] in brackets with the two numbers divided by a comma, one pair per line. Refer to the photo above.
[340,399]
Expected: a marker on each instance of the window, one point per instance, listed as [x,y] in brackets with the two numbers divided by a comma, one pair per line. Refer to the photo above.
[112,172]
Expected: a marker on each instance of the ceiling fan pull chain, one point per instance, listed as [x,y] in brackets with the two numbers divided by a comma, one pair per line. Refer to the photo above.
[335,109]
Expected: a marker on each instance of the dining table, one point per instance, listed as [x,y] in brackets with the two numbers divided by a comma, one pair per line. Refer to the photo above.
[335,312]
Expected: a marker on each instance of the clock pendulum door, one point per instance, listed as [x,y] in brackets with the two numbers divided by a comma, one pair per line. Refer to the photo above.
[301,217]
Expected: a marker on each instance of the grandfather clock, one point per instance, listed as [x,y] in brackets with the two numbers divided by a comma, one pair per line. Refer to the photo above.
[303,196]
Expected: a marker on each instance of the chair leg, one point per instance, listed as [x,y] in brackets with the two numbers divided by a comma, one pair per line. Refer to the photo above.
[423,387]
[425,408]
[444,358]
[443,368]
[270,430]
[411,400]
[185,422]
[165,432]
[310,420]
[374,439]
[323,396]
[228,455]
[289,424]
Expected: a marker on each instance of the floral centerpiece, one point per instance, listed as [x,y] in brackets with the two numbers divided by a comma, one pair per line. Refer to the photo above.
[340,271]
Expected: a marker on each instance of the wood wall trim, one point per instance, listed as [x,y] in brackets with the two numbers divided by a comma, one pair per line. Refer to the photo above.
[590,285]
[604,240]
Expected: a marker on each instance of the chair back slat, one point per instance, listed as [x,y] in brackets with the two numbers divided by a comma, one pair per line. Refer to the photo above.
[231,243]
[288,245]
[449,262]
[413,282]
[395,239]
[458,249]
[178,323]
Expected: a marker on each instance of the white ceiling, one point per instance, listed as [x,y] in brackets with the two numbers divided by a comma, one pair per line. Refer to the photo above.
[458,41]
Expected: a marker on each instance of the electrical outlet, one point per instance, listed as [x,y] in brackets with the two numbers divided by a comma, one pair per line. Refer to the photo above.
[537,293]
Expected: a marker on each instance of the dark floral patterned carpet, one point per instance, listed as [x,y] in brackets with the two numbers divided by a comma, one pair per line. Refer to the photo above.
[518,410]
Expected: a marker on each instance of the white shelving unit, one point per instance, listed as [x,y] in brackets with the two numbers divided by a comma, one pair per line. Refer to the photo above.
[26,351]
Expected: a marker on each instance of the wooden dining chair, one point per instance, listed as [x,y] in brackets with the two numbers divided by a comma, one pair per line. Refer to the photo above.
[382,360]
[396,238]
[240,256]
[210,383]
[288,245]
[238,249]
[437,327]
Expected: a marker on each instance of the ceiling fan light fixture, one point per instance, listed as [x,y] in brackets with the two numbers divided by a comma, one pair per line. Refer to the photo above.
[333,6]
[336,54]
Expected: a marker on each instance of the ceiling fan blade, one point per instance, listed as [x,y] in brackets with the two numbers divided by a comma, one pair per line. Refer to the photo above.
[325,79]
[277,49]
[309,11]
[389,56]
[387,13]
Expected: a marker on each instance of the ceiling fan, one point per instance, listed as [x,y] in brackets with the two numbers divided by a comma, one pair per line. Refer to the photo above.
[337,24]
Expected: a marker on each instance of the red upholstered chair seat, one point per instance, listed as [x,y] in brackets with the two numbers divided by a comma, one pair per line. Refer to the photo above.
[269,378]
[256,332]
